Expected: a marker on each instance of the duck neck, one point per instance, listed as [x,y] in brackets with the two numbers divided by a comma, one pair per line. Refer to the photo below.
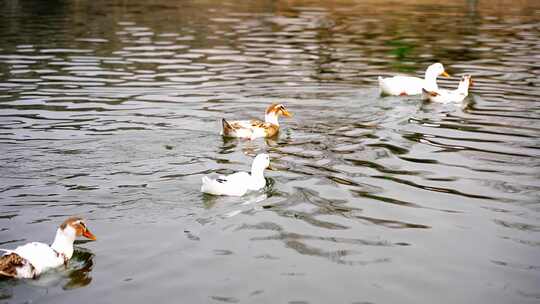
[257,172]
[63,243]
[463,87]
[271,118]
[430,80]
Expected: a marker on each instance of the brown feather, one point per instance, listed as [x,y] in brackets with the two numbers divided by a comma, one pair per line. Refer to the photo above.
[272,108]
[278,109]
[270,129]
[258,124]
[69,221]
[9,264]
[430,93]
[235,125]
[227,127]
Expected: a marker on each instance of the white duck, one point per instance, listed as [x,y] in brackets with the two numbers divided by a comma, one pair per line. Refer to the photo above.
[407,85]
[30,260]
[445,96]
[239,183]
[255,128]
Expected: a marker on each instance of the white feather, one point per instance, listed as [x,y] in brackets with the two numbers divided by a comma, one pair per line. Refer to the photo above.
[401,85]
[26,271]
[40,255]
[245,129]
[233,185]
[447,96]
[407,85]
[239,183]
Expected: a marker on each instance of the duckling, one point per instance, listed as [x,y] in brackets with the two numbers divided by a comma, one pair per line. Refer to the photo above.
[407,85]
[32,259]
[255,128]
[237,184]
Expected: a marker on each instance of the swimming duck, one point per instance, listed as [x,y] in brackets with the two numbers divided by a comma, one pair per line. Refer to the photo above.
[445,96]
[239,183]
[255,128]
[407,85]
[30,260]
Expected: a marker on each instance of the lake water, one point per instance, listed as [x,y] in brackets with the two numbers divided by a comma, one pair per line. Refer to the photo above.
[111,110]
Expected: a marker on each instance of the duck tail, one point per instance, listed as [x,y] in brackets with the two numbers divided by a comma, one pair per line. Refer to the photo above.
[430,93]
[205,182]
[207,185]
[383,88]
[6,267]
[227,127]
[15,266]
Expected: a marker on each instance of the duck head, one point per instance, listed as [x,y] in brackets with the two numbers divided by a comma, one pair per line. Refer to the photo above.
[274,111]
[467,79]
[465,83]
[66,234]
[260,163]
[435,70]
[76,227]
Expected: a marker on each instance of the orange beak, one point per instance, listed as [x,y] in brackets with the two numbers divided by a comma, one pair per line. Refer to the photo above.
[87,234]
[286,113]
[471,83]
[445,74]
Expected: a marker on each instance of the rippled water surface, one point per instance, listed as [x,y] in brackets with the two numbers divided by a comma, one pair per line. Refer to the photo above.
[111,110]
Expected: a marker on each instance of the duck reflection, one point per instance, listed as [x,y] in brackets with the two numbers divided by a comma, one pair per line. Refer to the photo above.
[249,147]
[344,256]
[209,200]
[79,269]
[272,141]
[6,288]
[468,104]
[229,143]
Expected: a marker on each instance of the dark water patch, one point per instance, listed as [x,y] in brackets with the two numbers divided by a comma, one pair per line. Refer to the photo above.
[518,226]
[395,201]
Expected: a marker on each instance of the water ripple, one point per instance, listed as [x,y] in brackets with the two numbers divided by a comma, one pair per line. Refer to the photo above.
[113,112]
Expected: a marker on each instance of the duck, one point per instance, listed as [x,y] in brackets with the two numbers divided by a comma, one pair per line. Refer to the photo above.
[446,96]
[407,85]
[238,184]
[252,129]
[30,260]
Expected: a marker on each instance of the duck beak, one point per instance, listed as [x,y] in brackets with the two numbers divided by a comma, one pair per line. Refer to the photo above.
[445,74]
[286,113]
[471,82]
[270,168]
[87,234]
